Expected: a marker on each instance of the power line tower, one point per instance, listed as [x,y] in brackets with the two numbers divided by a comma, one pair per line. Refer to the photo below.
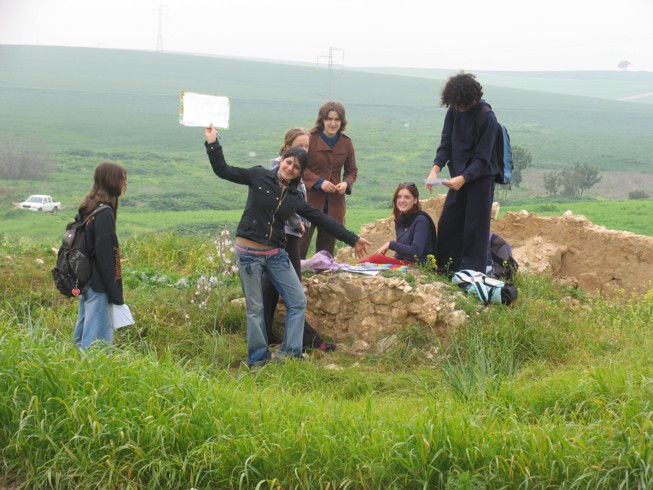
[331,64]
[162,11]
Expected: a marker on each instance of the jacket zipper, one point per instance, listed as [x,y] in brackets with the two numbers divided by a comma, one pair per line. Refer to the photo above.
[274,214]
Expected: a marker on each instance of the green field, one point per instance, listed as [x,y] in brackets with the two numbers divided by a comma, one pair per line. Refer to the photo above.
[83,106]
[553,392]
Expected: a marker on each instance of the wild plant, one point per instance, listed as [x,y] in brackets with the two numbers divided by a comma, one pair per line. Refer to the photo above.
[220,268]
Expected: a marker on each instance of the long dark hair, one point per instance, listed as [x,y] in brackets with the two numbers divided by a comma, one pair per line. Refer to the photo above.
[299,153]
[412,188]
[108,183]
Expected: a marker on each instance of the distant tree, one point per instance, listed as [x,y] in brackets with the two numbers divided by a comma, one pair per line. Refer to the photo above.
[32,164]
[624,65]
[521,159]
[571,181]
[551,182]
[586,177]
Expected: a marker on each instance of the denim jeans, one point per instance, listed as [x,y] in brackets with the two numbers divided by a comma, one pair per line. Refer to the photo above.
[251,266]
[94,320]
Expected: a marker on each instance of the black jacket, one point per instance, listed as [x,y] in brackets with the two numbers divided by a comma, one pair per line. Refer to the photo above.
[102,244]
[268,206]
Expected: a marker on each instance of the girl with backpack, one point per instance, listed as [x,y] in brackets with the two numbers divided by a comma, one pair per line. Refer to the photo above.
[94,318]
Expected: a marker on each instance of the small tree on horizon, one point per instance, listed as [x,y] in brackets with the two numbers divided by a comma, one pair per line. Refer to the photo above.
[571,181]
[624,65]
[521,160]
[551,183]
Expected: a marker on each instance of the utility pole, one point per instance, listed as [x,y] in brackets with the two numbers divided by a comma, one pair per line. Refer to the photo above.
[330,65]
[162,11]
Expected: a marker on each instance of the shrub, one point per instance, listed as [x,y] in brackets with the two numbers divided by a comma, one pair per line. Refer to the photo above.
[32,164]
[638,195]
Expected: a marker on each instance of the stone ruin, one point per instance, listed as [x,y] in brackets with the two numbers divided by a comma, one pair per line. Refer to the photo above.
[365,312]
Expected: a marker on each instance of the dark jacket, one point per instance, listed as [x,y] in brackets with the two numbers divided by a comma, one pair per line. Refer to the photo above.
[467,143]
[102,244]
[415,241]
[268,206]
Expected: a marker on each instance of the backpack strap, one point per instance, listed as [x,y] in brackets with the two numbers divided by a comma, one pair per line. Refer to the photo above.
[485,108]
[99,208]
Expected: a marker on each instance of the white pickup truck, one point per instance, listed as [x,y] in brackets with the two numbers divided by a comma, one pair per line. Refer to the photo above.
[40,202]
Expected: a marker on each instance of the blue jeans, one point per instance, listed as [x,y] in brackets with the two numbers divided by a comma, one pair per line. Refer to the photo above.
[251,266]
[94,320]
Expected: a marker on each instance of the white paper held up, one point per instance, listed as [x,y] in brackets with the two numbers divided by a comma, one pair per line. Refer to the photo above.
[202,110]
[122,316]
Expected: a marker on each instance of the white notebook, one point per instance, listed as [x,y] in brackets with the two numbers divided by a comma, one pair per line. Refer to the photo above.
[122,316]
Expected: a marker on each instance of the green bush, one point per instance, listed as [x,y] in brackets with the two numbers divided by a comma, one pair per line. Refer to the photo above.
[638,195]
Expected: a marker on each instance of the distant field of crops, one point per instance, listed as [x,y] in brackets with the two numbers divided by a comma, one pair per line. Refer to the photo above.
[83,106]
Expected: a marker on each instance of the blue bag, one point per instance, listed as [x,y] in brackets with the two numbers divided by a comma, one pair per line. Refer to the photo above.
[502,151]
[487,289]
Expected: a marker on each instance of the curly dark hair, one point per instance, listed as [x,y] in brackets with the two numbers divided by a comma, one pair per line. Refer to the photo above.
[461,91]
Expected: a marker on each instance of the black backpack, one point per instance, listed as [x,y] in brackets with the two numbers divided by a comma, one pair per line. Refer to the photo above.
[501,264]
[73,269]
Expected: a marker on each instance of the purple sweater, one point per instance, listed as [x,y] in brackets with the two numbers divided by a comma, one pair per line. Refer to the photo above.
[416,241]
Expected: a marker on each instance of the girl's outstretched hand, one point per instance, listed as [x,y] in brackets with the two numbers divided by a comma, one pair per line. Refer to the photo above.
[383,249]
[211,134]
[361,247]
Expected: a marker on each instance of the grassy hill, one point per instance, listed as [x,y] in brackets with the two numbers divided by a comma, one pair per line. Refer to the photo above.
[85,105]
[610,85]
[554,392]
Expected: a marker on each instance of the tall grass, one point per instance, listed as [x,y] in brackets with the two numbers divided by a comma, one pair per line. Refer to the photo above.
[553,392]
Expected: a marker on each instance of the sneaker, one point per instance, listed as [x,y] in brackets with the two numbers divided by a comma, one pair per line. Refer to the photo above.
[255,366]
[327,347]
[273,340]
[278,358]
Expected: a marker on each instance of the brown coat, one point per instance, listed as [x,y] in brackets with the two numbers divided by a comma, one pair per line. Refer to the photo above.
[336,165]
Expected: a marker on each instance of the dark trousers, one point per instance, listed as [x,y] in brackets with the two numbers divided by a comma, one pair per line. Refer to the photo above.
[323,241]
[271,296]
[464,226]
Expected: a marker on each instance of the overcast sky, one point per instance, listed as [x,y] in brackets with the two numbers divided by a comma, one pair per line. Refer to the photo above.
[452,34]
